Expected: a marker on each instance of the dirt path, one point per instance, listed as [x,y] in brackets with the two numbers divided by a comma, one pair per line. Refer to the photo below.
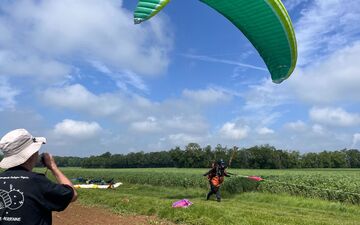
[77,214]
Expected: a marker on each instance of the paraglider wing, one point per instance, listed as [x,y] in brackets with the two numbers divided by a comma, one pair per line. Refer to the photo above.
[265,23]
[98,186]
[148,8]
[268,27]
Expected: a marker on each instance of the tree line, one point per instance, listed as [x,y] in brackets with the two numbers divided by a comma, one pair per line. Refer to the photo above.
[195,156]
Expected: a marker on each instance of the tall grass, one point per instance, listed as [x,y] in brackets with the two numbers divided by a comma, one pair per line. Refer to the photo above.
[166,179]
[336,185]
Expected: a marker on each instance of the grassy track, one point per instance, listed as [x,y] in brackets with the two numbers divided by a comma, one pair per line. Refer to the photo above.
[136,196]
[246,208]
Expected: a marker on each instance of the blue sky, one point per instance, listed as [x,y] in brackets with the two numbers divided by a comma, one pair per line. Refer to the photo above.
[83,75]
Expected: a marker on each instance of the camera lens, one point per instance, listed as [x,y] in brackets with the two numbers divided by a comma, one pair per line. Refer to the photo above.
[42,158]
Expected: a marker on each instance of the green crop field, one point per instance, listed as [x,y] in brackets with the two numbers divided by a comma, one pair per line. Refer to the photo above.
[316,196]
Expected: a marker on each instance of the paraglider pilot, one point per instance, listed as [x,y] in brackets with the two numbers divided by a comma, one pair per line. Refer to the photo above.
[216,178]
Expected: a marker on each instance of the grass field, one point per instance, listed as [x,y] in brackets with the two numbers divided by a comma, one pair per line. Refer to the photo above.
[286,197]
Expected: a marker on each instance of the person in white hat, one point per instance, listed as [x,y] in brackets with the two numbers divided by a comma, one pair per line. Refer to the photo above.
[27,197]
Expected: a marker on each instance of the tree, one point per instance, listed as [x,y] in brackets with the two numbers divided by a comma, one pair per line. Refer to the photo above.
[352,158]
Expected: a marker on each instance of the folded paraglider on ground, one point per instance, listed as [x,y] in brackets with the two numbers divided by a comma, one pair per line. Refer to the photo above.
[97,183]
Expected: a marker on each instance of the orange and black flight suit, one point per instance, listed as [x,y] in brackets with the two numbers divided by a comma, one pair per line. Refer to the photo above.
[216,178]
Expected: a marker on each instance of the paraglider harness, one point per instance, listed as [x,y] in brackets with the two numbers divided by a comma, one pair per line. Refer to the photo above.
[217,173]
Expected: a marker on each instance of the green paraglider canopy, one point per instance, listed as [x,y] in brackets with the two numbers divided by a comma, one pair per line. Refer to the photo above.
[265,23]
[148,8]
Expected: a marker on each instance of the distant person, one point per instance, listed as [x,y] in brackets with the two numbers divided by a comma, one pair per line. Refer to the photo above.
[26,197]
[216,178]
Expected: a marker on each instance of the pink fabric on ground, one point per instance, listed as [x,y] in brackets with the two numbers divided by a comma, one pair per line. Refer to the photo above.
[182,204]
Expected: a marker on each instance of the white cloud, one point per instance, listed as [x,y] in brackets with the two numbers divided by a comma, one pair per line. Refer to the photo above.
[265,131]
[129,78]
[122,79]
[298,126]
[189,123]
[150,125]
[142,113]
[77,129]
[356,140]
[265,95]
[36,34]
[7,94]
[318,129]
[334,117]
[182,139]
[206,96]
[31,65]
[329,81]
[332,80]
[232,131]
[134,114]
[325,26]
[77,97]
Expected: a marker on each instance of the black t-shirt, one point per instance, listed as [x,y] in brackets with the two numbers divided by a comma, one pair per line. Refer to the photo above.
[29,198]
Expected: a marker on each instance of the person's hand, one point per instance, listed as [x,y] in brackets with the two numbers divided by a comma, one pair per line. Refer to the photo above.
[49,161]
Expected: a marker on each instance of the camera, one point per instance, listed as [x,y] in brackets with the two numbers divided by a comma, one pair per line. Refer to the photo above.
[42,159]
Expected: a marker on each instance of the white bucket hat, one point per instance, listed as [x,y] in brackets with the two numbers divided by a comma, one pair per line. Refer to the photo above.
[18,146]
